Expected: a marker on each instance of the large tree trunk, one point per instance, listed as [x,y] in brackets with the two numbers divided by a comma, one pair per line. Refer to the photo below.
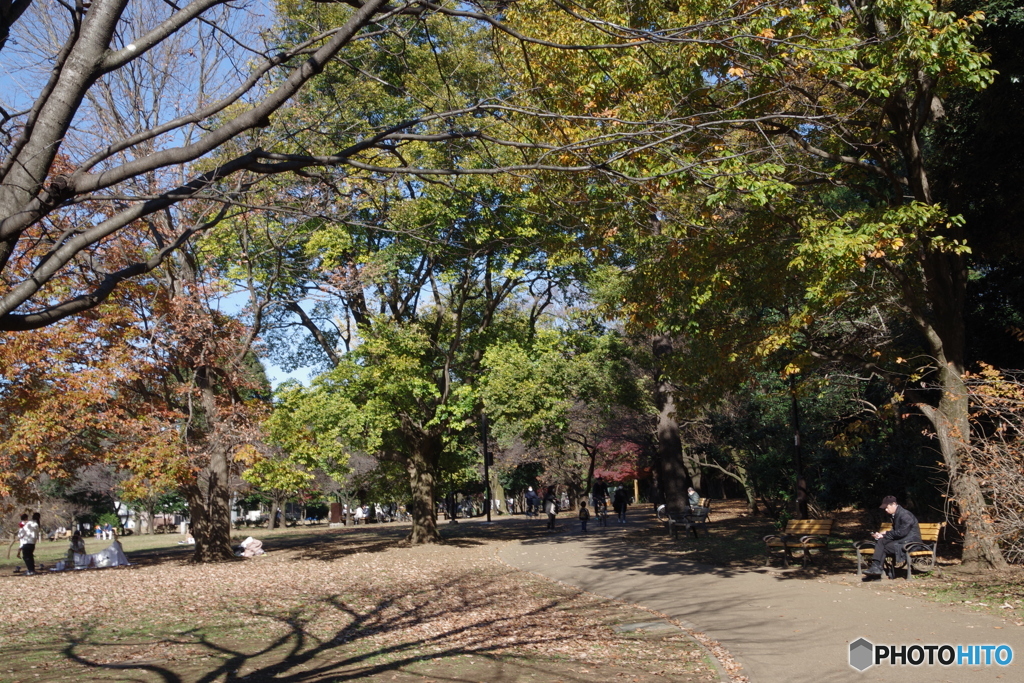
[150,516]
[946,287]
[591,466]
[209,502]
[210,496]
[950,421]
[423,461]
[498,492]
[673,478]
[939,314]
[744,480]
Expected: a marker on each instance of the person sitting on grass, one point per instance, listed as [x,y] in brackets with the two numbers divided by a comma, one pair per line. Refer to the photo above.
[76,551]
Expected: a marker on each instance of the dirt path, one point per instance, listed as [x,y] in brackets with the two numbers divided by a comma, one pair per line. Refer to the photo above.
[781,625]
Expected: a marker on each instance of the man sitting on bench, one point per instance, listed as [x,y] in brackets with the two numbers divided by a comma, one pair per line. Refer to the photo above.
[904,530]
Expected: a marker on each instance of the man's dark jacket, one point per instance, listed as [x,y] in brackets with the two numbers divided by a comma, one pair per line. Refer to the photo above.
[905,529]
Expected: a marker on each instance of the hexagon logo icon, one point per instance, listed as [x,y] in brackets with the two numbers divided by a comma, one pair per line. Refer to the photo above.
[862,654]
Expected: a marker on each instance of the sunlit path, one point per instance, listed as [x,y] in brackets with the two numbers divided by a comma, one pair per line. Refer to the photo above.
[782,626]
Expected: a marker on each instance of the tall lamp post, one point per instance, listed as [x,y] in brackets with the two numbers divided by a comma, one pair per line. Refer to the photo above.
[487,463]
[801,483]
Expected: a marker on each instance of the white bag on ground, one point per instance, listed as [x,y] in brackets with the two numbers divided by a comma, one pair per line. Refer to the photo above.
[251,547]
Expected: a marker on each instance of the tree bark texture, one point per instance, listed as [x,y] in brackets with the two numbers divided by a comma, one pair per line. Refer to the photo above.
[945,280]
[498,492]
[950,421]
[210,509]
[940,317]
[423,461]
[744,480]
[673,478]
[210,496]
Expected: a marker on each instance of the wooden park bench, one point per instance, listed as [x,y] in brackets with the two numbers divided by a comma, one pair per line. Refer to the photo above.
[689,520]
[799,534]
[920,554]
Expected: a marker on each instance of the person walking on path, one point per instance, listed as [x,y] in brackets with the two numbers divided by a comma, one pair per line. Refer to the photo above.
[531,502]
[905,529]
[599,493]
[550,506]
[619,503]
[584,516]
[29,536]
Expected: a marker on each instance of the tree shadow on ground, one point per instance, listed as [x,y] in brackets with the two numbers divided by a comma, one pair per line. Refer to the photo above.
[733,544]
[365,647]
[335,543]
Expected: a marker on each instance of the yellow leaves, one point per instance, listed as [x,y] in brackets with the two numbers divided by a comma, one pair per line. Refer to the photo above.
[990,385]
[881,249]
[736,71]
[772,343]
[248,455]
[767,33]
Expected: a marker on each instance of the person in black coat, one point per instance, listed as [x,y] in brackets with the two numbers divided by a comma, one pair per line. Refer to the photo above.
[619,503]
[905,529]
[599,493]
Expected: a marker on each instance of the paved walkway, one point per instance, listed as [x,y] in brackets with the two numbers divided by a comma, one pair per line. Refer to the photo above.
[781,625]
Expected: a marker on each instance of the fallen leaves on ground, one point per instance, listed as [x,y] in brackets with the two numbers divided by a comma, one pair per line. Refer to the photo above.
[366,612]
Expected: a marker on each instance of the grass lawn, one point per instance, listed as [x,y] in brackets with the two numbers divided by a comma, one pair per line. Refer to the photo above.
[329,604]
